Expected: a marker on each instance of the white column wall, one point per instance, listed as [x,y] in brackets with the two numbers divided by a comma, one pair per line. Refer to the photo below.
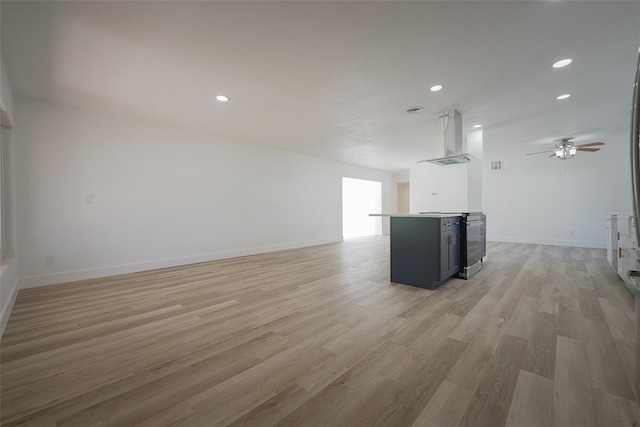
[475,169]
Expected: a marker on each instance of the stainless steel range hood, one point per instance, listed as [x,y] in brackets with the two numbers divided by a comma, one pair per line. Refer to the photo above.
[447,132]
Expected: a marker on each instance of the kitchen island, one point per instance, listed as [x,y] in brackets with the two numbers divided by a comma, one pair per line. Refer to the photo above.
[425,248]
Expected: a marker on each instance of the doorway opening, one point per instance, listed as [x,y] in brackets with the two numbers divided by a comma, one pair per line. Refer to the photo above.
[403,197]
[360,198]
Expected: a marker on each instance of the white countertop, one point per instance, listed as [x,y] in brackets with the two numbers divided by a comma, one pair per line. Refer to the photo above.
[424,215]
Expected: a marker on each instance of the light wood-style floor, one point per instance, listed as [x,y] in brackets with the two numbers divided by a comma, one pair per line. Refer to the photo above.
[542,336]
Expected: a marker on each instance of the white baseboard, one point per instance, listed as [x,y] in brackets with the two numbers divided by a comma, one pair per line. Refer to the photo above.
[6,310]
[93,273]
[551,242]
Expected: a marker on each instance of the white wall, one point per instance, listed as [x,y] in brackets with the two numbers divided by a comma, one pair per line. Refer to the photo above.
[434,188]
[534,199]
[537,199]
[161,197]
[402,176]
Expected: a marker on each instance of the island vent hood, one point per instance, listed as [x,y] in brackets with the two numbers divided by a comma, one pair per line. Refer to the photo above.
[447,132]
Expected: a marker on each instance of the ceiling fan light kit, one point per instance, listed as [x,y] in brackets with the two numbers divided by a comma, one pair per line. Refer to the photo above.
[566,149]
[564,153]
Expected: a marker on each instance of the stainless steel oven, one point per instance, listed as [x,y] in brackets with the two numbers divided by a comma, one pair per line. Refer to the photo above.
[474,243]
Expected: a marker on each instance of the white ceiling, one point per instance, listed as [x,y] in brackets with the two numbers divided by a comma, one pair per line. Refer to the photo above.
[331,79]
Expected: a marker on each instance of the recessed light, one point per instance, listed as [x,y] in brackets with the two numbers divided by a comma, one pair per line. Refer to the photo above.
[413,110]
[562,63]
[223,98]
[477,126]
[436,88]
[565,96]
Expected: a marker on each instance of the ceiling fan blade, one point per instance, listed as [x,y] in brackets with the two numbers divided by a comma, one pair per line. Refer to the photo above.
[587,149]
[540,152]
[591,144]
[552,155]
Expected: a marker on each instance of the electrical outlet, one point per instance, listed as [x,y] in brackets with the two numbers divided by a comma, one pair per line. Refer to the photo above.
[88,199]
[49,260]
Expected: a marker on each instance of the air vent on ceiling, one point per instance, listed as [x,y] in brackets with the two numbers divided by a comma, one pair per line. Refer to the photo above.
[413,110]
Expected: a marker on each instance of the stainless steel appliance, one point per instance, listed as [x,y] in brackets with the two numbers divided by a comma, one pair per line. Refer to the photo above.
[447,135]
[635,149]
[632,274]
[474,243]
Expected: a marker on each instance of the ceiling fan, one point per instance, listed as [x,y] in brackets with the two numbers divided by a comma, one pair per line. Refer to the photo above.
[565,148]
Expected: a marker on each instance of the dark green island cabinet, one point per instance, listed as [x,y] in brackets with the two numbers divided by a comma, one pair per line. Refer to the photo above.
[425,251]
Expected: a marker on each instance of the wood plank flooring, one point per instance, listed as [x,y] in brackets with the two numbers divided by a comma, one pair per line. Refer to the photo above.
[542,336]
